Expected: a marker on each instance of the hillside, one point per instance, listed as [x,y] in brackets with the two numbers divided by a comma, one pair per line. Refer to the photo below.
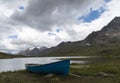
[4,56]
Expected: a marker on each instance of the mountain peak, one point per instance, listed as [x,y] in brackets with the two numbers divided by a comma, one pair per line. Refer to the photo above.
[115,21]
[117,18]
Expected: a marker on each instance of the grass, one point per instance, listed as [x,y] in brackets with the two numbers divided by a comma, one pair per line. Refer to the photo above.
[6,56]
[101,64]
[90,74]
[109,66]
[27,77]
[112,50]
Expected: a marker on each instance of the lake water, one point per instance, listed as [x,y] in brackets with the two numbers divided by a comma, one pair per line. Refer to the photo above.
[16,64]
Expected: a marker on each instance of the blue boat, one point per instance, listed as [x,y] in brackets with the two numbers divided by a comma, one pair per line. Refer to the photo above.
[60,67]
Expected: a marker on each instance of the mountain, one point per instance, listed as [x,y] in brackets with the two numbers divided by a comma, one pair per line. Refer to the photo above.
[32,51]
[107,36]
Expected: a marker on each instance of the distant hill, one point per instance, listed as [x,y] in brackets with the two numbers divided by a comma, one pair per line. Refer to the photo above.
[108,36]
[5,55]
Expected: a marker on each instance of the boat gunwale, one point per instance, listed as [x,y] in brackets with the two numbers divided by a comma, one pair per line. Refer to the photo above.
[32,65]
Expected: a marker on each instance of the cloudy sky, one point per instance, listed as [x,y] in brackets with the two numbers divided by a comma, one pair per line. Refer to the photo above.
[29,23]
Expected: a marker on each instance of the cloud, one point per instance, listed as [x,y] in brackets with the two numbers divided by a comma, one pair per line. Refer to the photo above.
[8,7]
[29,37]
[44,14]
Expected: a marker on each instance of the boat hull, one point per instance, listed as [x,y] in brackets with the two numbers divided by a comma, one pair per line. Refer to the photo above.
[60,67]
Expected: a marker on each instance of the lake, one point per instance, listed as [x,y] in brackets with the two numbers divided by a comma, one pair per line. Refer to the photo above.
[16,64]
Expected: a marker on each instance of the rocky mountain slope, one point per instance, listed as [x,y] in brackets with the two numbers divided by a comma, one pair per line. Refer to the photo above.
[108,35]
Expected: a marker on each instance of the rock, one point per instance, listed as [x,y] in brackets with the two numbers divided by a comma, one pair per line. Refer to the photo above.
[49,75]
[103,74]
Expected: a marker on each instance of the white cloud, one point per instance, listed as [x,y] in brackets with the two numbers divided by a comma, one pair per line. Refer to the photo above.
[29,37]
[7,8]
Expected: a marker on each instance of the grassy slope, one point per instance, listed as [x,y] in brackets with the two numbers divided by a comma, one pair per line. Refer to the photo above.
[87,51]
[78,51]
[4,56]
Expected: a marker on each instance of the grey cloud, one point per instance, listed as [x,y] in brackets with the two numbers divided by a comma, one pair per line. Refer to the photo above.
[43,14]
[5,28]
[13,4]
